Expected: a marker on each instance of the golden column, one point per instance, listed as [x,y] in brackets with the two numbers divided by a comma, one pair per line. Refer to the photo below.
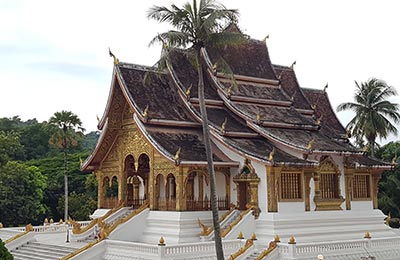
[307,189]
[348,181]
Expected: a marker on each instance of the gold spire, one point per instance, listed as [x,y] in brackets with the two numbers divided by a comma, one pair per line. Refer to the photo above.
[229,91]
[310,145]
[224,124]
[367,235]
[292,66]
[313,106]
[145,112]
[116,61]
[240,236]
[292,98]
[214,68]
[80,160]
[161,242]
[271,154]
[98,119]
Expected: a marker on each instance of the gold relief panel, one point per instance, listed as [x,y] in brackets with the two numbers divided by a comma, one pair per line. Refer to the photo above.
[327,165]
[164,167]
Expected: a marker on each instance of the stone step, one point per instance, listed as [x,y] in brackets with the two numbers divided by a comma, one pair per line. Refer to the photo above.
[45,251]
[38,244]
[24,256]
[38,255]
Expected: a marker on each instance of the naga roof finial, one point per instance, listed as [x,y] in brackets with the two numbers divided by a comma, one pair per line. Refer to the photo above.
[145,111]
[326,86]
[265,39]
[223,125]
[271,154]
[177,156]
[116,61]
[310,145]
[292,66]
[187,92]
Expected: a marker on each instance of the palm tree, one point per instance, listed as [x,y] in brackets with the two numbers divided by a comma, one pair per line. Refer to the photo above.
[199,26]
[373,112]
[69,128]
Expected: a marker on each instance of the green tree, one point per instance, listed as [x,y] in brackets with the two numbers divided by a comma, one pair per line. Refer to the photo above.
[4,254]
[199,26]
[10,146]
[373,112]
[21,193]
[78,210]
[69,130]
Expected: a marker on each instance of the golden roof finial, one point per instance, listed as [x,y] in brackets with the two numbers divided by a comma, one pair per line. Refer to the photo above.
[292,240]
[326,86]
[313,106]
[116,61]
[177,154]
[367,235]
[214,68]
[98,119]
[223,125]
[310,145]
[277,239]
[240,236]
[280,75]
[229,91]
[145,112]
[80,160]
[292,66]
[265,39]
[318,122]
[161,242]
[187,92]
[258,117]
[292,98]
[271,154]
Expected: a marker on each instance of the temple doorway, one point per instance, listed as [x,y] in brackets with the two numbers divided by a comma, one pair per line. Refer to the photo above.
[243,195]
[136,174]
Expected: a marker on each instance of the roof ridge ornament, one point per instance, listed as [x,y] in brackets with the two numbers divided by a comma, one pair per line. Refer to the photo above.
[187,92]
[271,154]
[326,86]
[292,66]
[177,156]
[318,121]
[310,145]
[223,125]
[116,60]
[265,39]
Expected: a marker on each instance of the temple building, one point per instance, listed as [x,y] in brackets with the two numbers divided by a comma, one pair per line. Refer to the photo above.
[285,169]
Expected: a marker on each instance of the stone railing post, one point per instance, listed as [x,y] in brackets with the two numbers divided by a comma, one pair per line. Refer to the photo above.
[367,237]
[161,248]
[292,248]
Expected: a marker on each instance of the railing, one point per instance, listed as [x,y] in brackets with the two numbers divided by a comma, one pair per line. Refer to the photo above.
[167,204]
[268,251]
[205,204]
[229,228]
[338,247]
[105,232]
[136,203]
[110,203]
[242,250]
[207,232]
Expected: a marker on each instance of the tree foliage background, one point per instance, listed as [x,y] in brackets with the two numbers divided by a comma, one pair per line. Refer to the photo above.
[31,174]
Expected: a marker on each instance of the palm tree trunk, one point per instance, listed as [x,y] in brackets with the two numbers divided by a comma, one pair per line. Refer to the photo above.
[207,142]
[65,186]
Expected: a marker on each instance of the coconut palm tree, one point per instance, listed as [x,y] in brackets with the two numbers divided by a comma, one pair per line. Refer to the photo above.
[69,129]
[197,26]
[373,112]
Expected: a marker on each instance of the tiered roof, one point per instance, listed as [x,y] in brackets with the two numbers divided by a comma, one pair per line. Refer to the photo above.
[267,117]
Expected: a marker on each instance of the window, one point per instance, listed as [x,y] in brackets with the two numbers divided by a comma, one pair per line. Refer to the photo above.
[329,186]
[290,186]
[361,186]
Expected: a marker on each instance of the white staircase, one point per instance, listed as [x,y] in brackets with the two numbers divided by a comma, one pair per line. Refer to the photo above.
[37,250]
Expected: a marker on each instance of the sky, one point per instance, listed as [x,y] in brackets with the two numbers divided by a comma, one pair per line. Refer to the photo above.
[54,54]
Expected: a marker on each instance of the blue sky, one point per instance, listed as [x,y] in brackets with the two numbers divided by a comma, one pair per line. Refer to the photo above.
[54,54]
